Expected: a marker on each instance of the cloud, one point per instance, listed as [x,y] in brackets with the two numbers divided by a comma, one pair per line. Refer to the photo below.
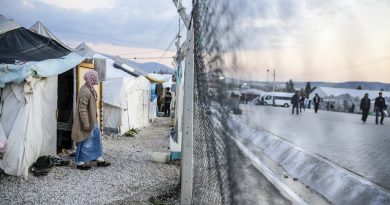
[84,5]
[315,37]
[136,23]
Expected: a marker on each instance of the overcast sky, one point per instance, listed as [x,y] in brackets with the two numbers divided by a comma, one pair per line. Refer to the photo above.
[305,40]
[130,28]
[316,40]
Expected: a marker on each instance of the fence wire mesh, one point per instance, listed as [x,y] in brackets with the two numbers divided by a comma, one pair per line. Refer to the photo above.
[222,175]
[264,45]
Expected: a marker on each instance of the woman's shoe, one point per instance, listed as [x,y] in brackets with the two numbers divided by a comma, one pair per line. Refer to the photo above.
[103,164]
[83,167]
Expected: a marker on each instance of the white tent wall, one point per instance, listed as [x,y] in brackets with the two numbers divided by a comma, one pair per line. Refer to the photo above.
[28,117]
[127,103]
[112,116]
[138,100]
[153,110]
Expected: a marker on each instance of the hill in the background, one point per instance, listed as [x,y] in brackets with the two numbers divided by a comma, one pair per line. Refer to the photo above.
[351,85]
[153,67]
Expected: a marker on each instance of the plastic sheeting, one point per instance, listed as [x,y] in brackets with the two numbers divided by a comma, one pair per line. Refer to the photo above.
[129,106]
[51,67]
[28,118]
[24,45]
[3,140]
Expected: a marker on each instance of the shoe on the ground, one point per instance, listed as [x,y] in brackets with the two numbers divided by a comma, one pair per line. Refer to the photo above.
[83,167]
[381,123]
[103,164]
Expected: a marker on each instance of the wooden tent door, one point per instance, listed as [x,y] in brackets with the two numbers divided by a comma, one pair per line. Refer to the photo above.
[81,70]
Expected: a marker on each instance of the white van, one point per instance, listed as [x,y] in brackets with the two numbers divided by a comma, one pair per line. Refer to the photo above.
[276,99]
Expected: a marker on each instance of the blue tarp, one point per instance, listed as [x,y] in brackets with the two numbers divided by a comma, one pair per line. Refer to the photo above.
[10,73]
[153,92]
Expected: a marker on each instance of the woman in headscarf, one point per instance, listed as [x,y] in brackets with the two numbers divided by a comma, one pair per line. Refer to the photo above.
[85,130]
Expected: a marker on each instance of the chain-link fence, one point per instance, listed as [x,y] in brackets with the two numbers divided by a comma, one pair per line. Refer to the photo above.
[250,51]
[222,175]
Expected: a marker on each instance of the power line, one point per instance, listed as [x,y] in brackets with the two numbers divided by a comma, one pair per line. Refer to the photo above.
[129,42]
[165,29]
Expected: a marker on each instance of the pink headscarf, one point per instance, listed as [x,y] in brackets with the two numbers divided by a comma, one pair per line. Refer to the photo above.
[91,79]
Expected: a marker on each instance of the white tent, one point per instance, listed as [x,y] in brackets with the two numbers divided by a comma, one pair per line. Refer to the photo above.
[325,92]
[127,103]
[126,98]
[28,117]
[7,24]
[343,99]
[28,95]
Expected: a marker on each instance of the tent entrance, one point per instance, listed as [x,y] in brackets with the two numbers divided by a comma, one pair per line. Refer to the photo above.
[65,110]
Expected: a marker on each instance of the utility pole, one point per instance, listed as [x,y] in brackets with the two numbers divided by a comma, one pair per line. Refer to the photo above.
[274,81]
[266,84]
[187,51]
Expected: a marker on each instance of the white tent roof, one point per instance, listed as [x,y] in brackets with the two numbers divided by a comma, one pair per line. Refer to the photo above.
[324,92]
[166,78]
[41,29]
[7,24]
[85,51]
[111,71]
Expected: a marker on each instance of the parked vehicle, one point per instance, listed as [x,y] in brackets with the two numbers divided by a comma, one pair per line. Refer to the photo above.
[275,99]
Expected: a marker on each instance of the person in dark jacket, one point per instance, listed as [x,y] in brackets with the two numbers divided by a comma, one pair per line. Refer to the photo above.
[302,103]
[365,104]
[380,106]
[295,102]
[167,103]
[316,101]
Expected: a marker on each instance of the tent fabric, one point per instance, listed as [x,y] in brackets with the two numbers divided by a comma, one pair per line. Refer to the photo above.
[85,51]
[28,118]
[111,62]
[165,79]
[111,70]
[115,92]
[129,106]
[7,25]
[129,66]
[10,73]
[24,45]
[41,29]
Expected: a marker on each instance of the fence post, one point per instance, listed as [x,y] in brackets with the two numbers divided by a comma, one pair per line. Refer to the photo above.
[188,117]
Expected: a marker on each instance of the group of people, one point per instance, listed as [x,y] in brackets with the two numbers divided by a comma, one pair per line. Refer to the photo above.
[379,108]
[300,101]
[365,105]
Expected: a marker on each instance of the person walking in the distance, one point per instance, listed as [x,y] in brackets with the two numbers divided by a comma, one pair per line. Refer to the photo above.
[302,103]
[85,129]
[365,104]
[380,106]
[316,101]
[295,102]
[167,103]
